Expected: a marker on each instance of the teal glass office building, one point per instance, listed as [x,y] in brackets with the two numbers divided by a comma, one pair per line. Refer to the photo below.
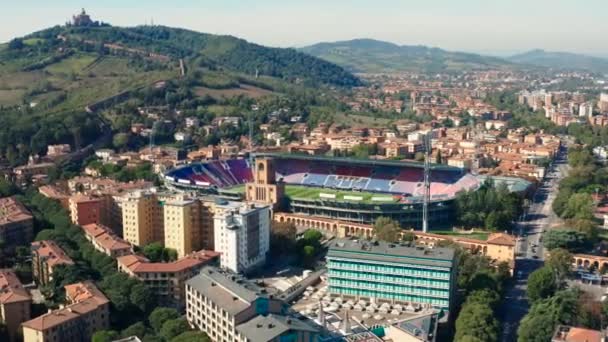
[392,273]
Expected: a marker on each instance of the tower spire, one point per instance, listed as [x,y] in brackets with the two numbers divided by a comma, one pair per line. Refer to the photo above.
[427,182]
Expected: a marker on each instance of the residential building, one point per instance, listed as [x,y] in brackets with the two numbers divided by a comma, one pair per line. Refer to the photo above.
[16,222]
[384,272]
[420,328]
[54,192]
[58,150]
[229,308]
[87,311]
[15,303]
[565,333]
[142,217]
[105,241]
[46,255]
[242,234]
[167,280]
[603,103]
[85,209]
[183,226]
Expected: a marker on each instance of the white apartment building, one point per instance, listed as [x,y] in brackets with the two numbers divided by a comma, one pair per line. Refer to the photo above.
[242,234]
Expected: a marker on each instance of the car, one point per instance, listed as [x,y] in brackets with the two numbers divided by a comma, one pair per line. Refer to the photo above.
[534,256]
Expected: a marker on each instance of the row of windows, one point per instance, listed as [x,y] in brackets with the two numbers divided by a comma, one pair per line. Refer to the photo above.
[389,296]
[389,288]
[383,278]
[405,270]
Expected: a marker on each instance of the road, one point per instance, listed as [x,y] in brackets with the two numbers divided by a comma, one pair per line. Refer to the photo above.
[538,217]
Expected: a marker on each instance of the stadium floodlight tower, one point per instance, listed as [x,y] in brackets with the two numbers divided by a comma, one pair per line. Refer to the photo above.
[427,182]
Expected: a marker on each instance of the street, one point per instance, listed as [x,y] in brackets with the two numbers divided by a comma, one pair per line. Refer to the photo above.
[537,218]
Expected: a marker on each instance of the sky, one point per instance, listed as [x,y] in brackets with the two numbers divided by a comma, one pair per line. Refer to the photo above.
[497,27]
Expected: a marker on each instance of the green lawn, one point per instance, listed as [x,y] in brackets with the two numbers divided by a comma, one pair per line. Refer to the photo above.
[477,235]
[307,192]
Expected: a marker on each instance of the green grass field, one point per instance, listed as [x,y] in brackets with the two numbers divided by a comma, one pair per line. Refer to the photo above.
[477,235]
[312,193]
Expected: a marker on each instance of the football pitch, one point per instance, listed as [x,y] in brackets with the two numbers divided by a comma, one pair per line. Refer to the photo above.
[313,193]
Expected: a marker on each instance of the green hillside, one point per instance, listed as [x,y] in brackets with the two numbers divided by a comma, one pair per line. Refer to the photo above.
[372,56]
[562,60]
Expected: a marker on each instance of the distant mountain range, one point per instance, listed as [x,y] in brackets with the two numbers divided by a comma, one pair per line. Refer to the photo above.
[561,60]
[374,56]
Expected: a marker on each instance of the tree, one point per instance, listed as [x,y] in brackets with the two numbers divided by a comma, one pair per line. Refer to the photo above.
[160,316]
[540,322]
[387,229]
[192,336]
[541,284]
[154,251]
[173,328]
[476,320]
[408,236]
[560,260]
[138,329]
[282,237]
[120,140]
[579,206]
[141,297]
[105,336]
[565,238]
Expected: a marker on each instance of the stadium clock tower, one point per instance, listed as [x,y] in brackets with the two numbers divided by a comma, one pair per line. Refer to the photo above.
[264,188]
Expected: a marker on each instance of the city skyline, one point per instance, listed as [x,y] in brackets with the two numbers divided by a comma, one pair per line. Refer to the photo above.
[473,26]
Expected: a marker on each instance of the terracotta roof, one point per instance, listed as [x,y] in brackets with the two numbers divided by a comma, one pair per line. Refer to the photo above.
[105,237]
[80,198]
[501,239]
[79,292]
[11,289]
[90,300]
[12,210]
[138,264]
[583,335]
[53,254]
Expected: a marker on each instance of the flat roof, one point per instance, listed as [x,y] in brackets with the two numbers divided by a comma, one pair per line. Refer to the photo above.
[381,251]
[228,290]
[267,328]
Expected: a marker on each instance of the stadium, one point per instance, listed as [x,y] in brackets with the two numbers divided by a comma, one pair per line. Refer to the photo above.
[339,188]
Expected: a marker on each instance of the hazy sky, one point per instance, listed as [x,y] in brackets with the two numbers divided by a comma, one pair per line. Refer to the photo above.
[486,26]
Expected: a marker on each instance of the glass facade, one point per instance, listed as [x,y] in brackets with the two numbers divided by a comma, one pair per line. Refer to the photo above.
[400,282]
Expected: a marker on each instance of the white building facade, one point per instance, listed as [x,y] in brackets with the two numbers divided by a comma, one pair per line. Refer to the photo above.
[242,235]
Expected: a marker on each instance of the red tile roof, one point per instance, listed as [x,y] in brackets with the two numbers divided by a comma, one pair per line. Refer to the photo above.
[53,254]
[11,289]
[139,264]
[12,210]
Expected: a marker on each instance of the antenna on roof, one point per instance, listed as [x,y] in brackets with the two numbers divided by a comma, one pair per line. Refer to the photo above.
[427,182]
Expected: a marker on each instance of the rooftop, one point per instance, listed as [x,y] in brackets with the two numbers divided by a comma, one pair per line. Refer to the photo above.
[139,264]
[105,237]
[51,252]
[268,328]
[12,210]
[381,251]
[574,334]
[90,300]
[11,289]
[228,290]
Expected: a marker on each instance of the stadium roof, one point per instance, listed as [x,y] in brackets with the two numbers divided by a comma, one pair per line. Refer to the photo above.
[370,162]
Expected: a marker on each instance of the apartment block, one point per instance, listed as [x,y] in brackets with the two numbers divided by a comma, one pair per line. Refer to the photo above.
[46,255]
[167,280]
[16,222]
[85,209]
[391,273]
[183,225]
[105,241]
[242,234]
[229,308]
[142,217]
[15,303]
[87,310]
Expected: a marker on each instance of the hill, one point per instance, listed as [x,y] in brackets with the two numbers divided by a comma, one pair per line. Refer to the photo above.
[48,78]
[562,60]
[221,51]
[373,56]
